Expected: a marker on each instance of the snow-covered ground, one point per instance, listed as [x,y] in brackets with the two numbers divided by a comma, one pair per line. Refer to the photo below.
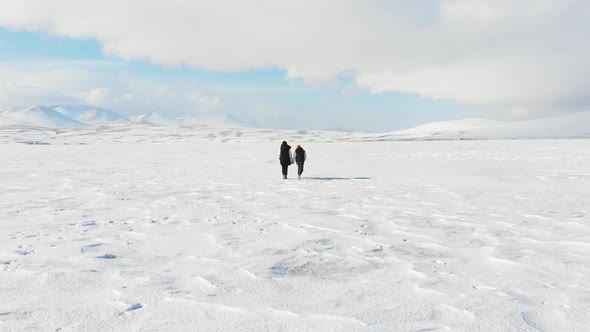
[195,230]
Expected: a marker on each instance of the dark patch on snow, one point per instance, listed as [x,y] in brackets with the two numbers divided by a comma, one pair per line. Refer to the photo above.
[107,256]
[35,143]
[278,270]
[135,306]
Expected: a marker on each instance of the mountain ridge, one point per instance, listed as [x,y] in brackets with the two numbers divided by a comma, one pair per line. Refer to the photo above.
[90,114]
[38,116]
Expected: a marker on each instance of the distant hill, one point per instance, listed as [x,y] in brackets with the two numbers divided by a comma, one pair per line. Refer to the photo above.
[576,125]
[156,118]
[38,116]
[90,114]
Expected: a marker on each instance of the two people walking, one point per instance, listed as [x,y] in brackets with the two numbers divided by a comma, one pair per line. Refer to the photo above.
[287,158]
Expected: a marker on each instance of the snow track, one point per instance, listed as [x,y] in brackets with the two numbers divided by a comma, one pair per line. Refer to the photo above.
[407,236]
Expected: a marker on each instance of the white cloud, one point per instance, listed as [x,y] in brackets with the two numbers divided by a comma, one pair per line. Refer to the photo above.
[511,52]
[520,112]
[100,96]
[91,83]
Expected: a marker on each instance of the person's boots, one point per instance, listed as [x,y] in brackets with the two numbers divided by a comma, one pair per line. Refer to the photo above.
[299,177]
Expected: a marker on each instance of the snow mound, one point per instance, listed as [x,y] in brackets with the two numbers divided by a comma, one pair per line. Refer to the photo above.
[90,114]
[38,116]
[576,125]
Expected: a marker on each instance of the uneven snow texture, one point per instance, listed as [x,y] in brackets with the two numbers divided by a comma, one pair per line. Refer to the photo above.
[199,235]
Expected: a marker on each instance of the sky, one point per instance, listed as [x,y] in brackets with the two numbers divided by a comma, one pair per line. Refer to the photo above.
[371,65]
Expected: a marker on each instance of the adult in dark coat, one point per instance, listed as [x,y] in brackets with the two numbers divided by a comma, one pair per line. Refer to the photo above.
[300,156]
[285,157]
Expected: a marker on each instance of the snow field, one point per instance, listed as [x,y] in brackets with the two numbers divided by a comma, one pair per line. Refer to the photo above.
[406,236]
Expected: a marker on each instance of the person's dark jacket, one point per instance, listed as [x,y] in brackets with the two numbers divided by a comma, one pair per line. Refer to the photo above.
[300,155]
[285,154]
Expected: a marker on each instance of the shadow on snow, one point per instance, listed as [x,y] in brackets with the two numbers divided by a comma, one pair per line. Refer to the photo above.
[336,178]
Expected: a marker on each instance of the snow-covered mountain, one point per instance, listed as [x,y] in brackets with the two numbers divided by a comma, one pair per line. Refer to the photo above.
[83,116]
[576,125]
[38,116]
[156,118]
[90,114]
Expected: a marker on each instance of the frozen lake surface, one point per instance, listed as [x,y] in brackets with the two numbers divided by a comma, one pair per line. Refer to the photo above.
[123,234]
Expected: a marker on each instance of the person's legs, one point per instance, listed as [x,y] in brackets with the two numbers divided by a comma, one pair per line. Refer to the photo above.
[285,168]
[299,169]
